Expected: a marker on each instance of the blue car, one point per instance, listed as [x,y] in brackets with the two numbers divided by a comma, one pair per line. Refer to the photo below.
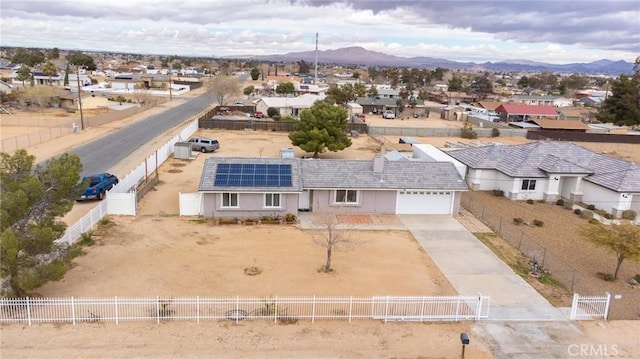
[98,185]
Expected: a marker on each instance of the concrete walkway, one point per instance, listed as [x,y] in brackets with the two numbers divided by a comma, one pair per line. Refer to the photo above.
[472,268]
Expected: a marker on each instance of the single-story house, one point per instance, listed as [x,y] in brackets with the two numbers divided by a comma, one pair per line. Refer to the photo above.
[376,104]
[287,106]
[535,100]
[255,187]
[520,112]
[557,125]
[576,113]
[552,170]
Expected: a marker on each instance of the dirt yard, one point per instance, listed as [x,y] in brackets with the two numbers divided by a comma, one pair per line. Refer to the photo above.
[159,253]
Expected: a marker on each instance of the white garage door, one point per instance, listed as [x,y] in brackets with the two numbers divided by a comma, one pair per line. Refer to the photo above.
[424,202]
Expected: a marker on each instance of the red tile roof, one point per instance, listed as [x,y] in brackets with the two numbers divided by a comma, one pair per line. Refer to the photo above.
[521,109]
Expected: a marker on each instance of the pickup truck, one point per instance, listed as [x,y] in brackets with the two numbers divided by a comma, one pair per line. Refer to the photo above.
[98,184]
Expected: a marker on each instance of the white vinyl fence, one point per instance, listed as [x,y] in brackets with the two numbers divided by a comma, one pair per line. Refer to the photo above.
[121,199]
[590,307]
[117,309]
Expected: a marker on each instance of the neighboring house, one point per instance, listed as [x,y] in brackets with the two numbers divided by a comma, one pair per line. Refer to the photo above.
[287,106]
[520,112]
[489,105]
[576,113]
[376,104]
[591,101]
[388,93]
[311,89]
[452,97]
[552,170]
[39,78]
[534,100]
[254,187]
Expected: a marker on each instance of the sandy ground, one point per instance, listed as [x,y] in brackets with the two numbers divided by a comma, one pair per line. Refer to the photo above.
[159,253]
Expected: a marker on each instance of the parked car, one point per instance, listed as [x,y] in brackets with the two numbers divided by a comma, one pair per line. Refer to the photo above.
[98,185]
[389,115]
[204,144]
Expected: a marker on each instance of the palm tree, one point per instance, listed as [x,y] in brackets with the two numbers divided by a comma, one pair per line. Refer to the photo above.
[50,69]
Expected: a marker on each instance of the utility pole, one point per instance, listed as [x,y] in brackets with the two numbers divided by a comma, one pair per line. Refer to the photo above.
[79,97]
[170,93]
[315,79]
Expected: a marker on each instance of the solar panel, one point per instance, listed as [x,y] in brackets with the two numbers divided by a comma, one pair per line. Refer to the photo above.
[250,175]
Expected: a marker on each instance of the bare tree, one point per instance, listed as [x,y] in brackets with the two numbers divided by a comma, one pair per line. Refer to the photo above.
[621,239]
[332,235]
[223,88]
[141,95]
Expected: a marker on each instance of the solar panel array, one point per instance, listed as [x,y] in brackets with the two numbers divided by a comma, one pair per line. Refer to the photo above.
[253,175]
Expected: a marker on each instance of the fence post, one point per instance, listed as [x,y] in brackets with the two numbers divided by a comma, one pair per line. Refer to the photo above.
[422,309]
[479,306]
[237,308]
[350,307]
[115,302]
[574,307]
[313,310]
[198,309]
[73,311]
[386,309]
[158,309]
[275,312]
[28,311]
[455,317]
[606,306]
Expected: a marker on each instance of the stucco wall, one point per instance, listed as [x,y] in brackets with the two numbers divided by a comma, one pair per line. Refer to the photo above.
[368,202]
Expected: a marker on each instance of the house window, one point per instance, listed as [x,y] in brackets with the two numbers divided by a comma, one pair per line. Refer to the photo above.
[346,196]
[272,199]
[229,200]
[528,185]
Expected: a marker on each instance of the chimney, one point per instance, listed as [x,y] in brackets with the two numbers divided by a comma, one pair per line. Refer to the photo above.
[378,164]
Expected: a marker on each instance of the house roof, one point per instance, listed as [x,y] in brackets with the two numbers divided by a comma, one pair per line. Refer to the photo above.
[539,159]
[560,124]
[521,109]
[489,105]
[303,101]
[343,174]
[354,174]
[376,101]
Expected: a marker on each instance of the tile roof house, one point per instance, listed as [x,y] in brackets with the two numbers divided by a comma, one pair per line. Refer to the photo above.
[552,170]
[254,187]
[520,112]
[287,106]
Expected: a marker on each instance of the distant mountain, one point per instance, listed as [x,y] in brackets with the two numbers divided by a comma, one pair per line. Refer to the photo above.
[360,56]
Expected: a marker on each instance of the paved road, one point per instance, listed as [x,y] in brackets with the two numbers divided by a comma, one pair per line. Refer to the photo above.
[108,151]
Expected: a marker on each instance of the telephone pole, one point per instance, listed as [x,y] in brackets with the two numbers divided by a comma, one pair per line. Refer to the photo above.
[79,97]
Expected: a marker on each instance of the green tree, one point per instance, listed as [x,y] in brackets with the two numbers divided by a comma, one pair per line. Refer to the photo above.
[321,127]
[33,200]
[223,88]
[54,54]
[303,67]
[82,60]
[455,84]
[50,69]
[66,75]
[248,90]
[623,106]
[27,57]
[621,239]
[285,88]
[24,74]
[482,86]
[524,82]
[255,73]
[372,92]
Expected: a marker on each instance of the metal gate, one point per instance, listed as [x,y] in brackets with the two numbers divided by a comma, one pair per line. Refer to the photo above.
[590,307]
[454,308]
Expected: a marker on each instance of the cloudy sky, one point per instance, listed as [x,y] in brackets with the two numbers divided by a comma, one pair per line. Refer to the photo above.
[554,31]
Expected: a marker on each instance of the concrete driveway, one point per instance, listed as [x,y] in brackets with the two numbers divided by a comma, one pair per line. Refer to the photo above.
[472,268]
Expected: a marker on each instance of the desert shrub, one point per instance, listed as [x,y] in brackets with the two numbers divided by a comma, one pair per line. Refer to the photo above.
[498,193]
[594,221]
[606,276]
[591,207]
[568,204]
[538,223]
[629,214]
[560,202]
[289,217]
[86,239]
[495,132]
[637,277]
[518,221]
[272,111]
[530,201]
[608,216]
[577,211]
[288,119]
[586,214]
[468,132]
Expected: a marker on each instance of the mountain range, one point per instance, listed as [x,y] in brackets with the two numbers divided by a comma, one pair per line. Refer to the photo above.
[364,57]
